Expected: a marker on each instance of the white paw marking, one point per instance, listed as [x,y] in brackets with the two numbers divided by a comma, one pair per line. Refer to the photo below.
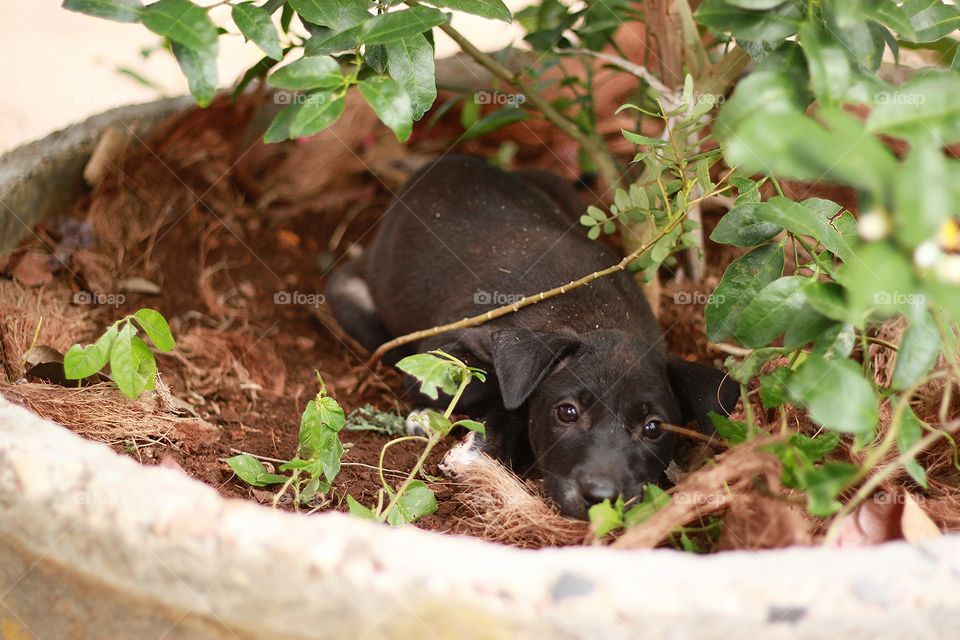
[357,291]
[417,423]
[461,457]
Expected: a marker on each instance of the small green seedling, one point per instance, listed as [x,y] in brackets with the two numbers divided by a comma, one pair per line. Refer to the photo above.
[369,418]
[132,365]
[317,463]
[607,517]
[437,371]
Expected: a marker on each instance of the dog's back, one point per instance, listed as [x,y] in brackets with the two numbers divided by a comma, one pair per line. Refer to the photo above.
[465,237]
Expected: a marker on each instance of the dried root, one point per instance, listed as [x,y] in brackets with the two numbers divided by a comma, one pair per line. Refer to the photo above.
[21,310]
[218,362]
[709,491]
[503,508]
[100,412]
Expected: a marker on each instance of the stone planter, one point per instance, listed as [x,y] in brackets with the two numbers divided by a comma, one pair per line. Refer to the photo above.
[94,545]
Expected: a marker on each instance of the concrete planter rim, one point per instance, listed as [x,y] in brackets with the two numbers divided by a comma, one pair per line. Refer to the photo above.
[162,551]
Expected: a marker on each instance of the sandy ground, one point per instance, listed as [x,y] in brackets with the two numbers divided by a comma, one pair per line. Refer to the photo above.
[62,66]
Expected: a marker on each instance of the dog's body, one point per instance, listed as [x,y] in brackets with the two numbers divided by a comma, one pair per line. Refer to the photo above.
[463,238]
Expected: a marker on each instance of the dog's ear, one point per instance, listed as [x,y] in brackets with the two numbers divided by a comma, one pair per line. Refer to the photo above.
[522,358]
[700,389]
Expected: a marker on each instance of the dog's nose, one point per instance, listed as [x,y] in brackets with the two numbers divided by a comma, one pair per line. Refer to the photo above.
[595,490]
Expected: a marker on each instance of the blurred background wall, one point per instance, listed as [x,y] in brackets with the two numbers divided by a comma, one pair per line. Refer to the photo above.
[63,66]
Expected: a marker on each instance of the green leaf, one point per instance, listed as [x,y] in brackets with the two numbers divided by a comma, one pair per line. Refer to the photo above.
[761,94]
[321,420]
[252,471]
[357,509]
[636,138]
[310,72]
[794,145]
[742,227]
[438,422]
[922,194]
[743,279]
[880,279]
[80,362]
[417,501]
[836,343]
[807,325]
[918,350]
[433,373]
[255,25]
[605,517]
[399,25]
[391,104]
[769,314]
[823,485]
[410,62]
[928,105]
[818,447]
[376,57]
[318,112]
[836,394]
[132,365]
[279,129]
[777,23]
[496,120]
[908,435]
[117,10]
[654,499]
[181,21]
[810,218]
[931,20]
[493,9]
[155,326]
[732,431]
[773,388]
[336,14]
[199,66]
[828,63]
[472,425]
[827,298]
[883,11]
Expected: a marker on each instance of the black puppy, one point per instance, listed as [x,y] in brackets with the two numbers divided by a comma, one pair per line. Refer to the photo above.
[579,384]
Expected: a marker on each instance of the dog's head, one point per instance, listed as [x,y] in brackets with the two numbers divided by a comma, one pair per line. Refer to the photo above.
[596,403]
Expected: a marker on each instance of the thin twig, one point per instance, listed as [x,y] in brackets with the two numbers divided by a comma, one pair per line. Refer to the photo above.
[520,304]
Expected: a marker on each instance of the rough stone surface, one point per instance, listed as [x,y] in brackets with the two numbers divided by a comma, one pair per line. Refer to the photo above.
[94,545]
[44,178]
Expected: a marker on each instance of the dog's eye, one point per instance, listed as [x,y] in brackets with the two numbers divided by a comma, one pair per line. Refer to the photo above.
[567,412]
[652,429]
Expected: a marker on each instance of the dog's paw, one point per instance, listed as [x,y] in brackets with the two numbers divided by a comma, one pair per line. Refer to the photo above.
[417,423]
[461,457]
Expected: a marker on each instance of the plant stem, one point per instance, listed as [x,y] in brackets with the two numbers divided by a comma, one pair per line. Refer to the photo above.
[604,162]
[283,489]
[435,437]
